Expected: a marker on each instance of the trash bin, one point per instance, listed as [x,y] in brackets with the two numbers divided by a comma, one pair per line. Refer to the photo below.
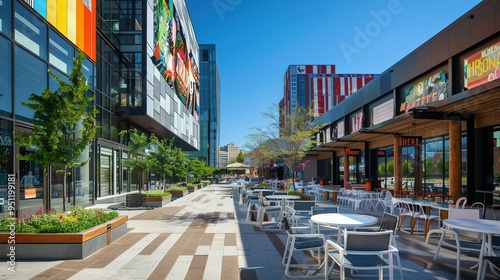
[368,185]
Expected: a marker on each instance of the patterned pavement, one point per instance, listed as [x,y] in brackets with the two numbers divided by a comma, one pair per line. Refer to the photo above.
[204,235]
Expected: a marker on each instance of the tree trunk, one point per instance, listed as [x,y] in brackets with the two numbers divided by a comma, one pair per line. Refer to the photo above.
[64,191]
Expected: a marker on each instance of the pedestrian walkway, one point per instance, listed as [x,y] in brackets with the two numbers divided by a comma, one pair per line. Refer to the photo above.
[205,236]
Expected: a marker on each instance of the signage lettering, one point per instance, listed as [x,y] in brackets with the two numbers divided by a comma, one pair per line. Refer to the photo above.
[381,153]
[430,90]
[353,152]
[5,140]
[411,141]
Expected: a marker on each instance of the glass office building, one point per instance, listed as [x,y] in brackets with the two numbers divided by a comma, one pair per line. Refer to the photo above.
[209,106]
[141,66]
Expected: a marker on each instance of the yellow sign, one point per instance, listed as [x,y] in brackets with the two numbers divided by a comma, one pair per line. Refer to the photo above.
[30,193]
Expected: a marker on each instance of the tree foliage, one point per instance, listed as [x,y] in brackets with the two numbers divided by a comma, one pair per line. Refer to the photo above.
[63,125]
[241,157]
[290,136]
[260,150]
[140,161]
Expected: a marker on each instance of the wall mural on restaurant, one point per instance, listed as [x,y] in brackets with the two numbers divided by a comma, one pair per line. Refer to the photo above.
[420,94]
[482,67]
[175,52]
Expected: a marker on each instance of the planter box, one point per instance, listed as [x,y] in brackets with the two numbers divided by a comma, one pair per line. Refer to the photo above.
[62,246]
[134,199]
[157,201]
[192,189]
[178,194]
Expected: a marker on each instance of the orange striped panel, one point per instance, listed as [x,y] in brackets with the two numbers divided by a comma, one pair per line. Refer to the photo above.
[87,30]
[93,33]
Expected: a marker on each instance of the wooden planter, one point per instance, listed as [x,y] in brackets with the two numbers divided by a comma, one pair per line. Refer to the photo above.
[157,201]
[192,189]
[63,246]
[178,194]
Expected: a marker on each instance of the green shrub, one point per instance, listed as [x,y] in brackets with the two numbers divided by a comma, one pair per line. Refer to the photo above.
[177,189]
[77,219]
[302,196]
[155,193]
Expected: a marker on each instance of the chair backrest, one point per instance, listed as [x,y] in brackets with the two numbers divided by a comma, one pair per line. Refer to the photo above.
[389,222]
[461,202]
[304,205]
[367,241]
[315,210]
[266,193]
[463,213]
[287,224]
[480,206]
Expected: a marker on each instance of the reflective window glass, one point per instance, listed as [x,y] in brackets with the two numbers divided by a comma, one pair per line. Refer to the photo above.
[5,77]
[30,77]
[30,31]
[88,72]
[53,84]
[60,52]
[5,17]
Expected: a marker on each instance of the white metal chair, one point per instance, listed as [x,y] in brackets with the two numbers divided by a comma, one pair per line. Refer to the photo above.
[362,251]
[461,202]
[481,207]
[389,222]
[298,240]
[253,208]
[451,238]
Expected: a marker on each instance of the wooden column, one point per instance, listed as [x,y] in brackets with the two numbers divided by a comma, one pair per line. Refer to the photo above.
[346,169]
[455,163]
[398,168]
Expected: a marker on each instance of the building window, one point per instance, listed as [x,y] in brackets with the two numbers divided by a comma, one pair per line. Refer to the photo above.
[30,31]
[5,77]
[30,77]
[205,55]
[60,52]
[5,17]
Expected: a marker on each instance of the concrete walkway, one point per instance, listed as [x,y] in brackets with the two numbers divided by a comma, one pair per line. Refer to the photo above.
[205,236]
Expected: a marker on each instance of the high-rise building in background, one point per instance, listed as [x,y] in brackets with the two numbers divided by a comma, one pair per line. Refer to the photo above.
[209,107]
[232,153]
[141,65]
[223,157]
[319,86]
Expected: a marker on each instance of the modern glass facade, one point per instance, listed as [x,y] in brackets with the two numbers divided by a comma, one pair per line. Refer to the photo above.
[209,106]
[129,91]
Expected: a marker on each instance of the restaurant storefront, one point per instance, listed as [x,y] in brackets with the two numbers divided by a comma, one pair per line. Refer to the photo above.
[430,123]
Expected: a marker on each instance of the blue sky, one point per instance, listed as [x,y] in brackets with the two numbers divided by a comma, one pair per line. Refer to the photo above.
[257,40]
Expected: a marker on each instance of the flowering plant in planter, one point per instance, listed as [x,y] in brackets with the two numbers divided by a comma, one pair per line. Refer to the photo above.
[77,219]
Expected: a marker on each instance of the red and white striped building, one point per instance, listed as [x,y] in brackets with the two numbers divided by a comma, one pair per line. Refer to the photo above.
[320,86]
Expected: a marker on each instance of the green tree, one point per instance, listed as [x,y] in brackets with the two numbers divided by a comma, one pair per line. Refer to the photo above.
[290,136]
[63,125]
[382,169]
[442,165]
[429,166]
[260,151]
[407,167]
[240,158]
[196,168]
[140,161]
[163,157]
[180,166]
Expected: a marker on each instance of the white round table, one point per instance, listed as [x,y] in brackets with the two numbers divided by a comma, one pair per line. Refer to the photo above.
[283,198]
[483,226]
[343,221]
